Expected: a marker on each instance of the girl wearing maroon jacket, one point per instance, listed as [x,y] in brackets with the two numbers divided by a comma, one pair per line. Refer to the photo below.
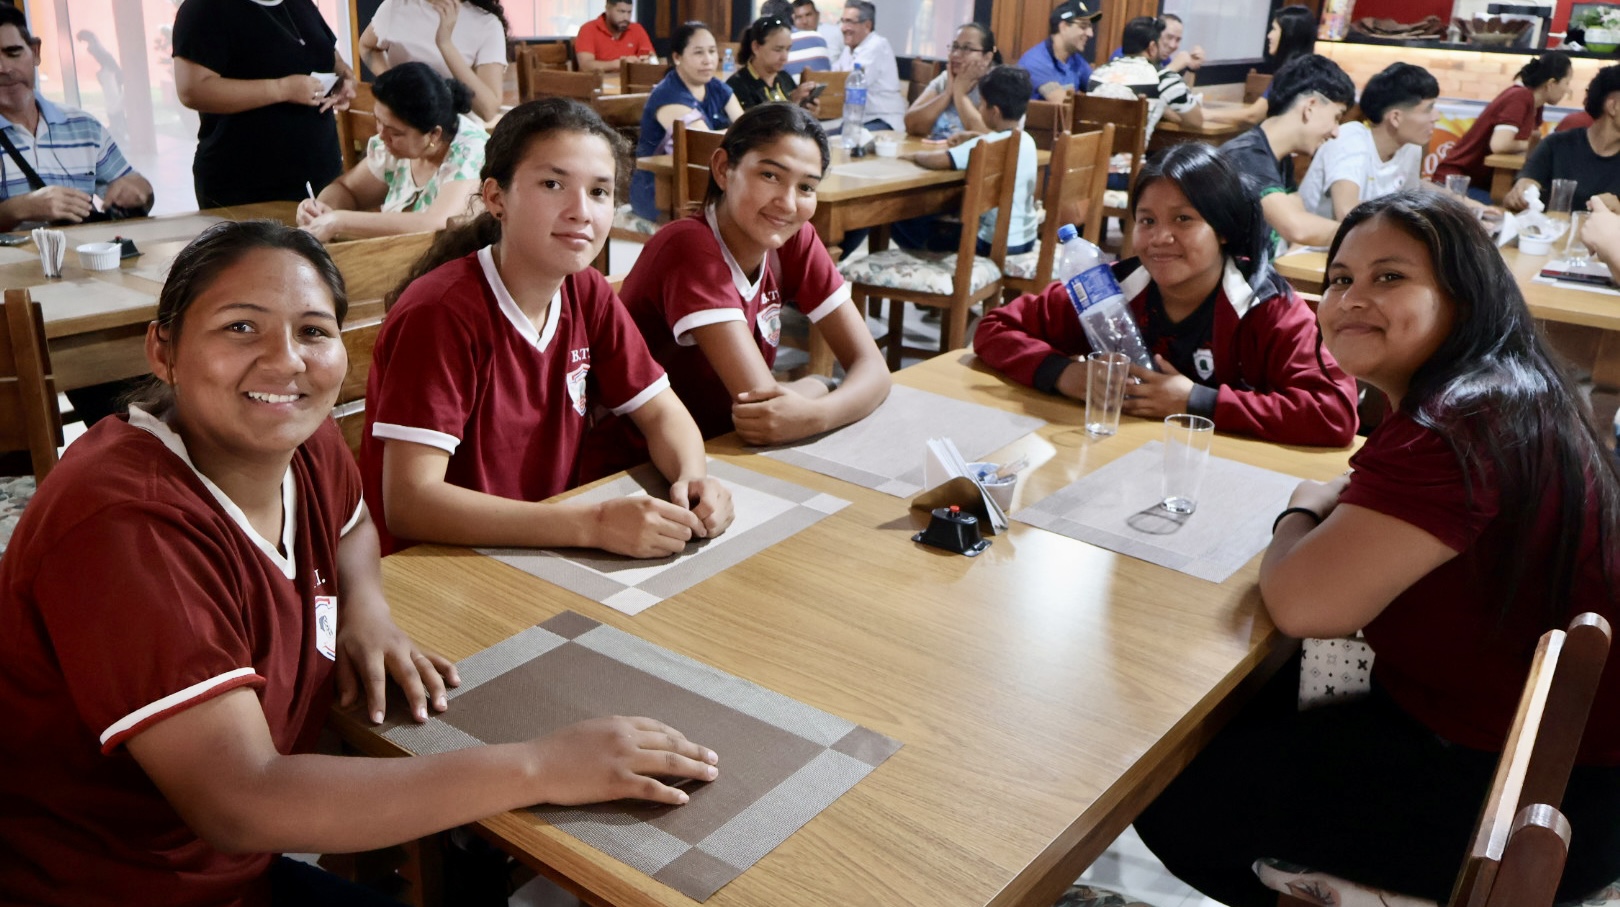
[1232,340]
[1482,512]
[188,593]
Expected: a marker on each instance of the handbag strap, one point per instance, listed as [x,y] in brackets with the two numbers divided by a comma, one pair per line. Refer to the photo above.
[34,182]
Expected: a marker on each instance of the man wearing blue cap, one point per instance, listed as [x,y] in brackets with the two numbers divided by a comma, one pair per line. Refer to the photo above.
[1059,62]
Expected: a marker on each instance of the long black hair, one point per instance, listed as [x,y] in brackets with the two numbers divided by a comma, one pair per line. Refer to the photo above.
[759,33]
[1298,26]
[1496,394]
[1549,67]
[762,124]
[1216,189]
[988,39]
[508,145]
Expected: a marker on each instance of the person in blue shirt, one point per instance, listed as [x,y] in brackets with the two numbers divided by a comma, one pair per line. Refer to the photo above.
[1059,62]
[689,93]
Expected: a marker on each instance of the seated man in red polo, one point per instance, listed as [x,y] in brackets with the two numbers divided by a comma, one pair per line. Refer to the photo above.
[603,40]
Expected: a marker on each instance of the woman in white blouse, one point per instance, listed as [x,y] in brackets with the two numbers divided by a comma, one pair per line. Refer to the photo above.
[421,168]
[463,40]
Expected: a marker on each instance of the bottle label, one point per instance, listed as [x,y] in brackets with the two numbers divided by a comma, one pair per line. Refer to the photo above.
[1094,285]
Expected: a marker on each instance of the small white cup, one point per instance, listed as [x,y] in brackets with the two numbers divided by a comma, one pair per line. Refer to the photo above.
[1001,489]
[1530,246]
[99,256]
[887,148]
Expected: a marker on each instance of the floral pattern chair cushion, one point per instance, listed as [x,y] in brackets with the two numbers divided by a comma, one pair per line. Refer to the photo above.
[626,219]
[920,272]
[1022,265]
[14,495]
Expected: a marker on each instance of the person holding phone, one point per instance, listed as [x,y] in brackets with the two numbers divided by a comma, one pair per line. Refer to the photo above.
[761,76]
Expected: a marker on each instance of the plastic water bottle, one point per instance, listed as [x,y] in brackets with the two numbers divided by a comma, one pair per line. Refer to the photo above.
[854,110]
[728,63]
[1097,298]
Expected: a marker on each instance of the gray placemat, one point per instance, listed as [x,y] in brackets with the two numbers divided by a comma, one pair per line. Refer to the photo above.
[767,511]
[1116,508]
[781,762]
[885,450]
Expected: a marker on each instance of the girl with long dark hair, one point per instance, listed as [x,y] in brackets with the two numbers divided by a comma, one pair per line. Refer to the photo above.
[1482,512]
[1292,34]
[505,347]
[1232,340]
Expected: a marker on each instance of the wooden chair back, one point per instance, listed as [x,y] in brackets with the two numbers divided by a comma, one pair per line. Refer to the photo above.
[360,339]
[923,71]
[636,76]
[29,418]
[1047,120]
[1077,172]
[693,149]
[558,83]
[1254,86]
[528,59]
[623,113]
[1522,839]
[356,126]
[1130,120]
[373,267]
[832,98]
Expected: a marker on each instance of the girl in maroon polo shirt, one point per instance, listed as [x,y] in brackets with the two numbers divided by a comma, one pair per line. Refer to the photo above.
[1482,512]
[183,594]
[505,347]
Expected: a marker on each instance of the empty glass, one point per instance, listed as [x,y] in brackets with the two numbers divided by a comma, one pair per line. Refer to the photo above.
[1106,377]
[1457,184]
[1186,455]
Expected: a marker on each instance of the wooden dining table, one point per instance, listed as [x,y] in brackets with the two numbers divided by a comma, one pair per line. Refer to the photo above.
[92,343]
[1504,173]
[1168,133]
[1044,692]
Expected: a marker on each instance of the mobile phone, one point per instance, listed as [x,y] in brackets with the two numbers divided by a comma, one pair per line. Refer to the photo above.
[13,239]
[815,92]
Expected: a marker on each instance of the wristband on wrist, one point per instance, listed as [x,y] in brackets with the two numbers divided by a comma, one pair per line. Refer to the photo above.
[1305,510]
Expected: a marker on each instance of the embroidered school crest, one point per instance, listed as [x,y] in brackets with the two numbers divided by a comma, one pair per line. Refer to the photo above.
[1204,362]
[326,625]
[576,386]
[769,321]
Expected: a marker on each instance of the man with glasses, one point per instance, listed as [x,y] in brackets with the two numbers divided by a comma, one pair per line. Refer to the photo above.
[885,103]
[60,159]
[1058,64]
[1171,56]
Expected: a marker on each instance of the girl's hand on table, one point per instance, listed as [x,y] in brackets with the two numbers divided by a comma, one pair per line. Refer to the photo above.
[371,648]
[708,499]
[617,758]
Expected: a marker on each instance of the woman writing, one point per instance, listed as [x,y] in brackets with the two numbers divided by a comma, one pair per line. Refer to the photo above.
[1483,511]
[182,597]
[502,350]
[760,76]
[707,291]
[1507,123]
[689,93]
[1231,339]
[421,167]
[463,40]
[267,127]
[950,103]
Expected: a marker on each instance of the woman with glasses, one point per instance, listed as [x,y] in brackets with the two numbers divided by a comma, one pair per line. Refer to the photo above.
[760,77]
[950,103]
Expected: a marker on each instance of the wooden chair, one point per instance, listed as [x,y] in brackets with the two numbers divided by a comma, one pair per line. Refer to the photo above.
[623,113]
[30,423]
[1047,120]
[360,339]
[528,59]
[923,71]
[636,76]
[1130,136]
[954,282]
[556,83]
[356,126]
[1078,170]
[1254,86]
[693,149]
[1522,840]
[832,98]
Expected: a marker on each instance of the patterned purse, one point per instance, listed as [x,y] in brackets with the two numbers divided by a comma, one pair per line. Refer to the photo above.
[1334,670]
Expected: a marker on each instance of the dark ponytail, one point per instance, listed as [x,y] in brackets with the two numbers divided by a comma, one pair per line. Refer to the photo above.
[424,100]
[1549,67]
[759,32]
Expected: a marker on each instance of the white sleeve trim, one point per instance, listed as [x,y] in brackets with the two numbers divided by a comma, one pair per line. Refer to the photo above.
[683,328]
[650,391]
[387,431]
[828,305]
[170,701]
[354,518]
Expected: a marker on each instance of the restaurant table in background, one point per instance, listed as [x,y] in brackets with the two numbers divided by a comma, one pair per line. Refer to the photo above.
[1167,134]
[1044,692]
[101,338]
[1504,173]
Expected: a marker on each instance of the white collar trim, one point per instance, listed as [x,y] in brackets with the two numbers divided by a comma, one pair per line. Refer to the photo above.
[520,322]
[747,289]
[159,428]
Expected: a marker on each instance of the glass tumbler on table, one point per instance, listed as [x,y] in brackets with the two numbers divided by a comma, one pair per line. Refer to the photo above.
[1186,456]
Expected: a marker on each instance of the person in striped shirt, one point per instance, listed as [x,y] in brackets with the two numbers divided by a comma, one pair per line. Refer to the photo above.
[73,158]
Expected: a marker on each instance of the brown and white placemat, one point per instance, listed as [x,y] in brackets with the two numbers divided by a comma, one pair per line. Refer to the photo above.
[781,762]
[1117,507]
[767,511]
[885,450]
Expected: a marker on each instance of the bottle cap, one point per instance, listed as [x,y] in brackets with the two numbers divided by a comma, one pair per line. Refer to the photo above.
[1067,232]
